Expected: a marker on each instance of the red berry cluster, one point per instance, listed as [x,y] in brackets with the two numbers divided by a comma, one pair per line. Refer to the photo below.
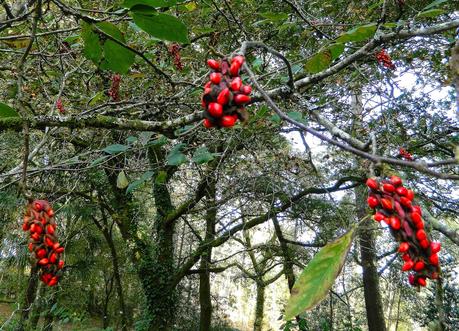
[174,51]
[46,250]
[384,58]
[225,95]
[405,154]
[393,204]
[114,91]
[60,106]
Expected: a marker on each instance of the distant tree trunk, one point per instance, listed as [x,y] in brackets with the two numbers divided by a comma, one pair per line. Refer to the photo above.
[373,302]
[205,299]
[29,298]
[37,308]
[288,263]
[108,293]
[260,306]
[439,304]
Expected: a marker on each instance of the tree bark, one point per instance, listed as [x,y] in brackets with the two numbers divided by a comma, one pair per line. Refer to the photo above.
[373,302]
[29,298]
[205,299]
[260,307]
[288,263]
[49,317]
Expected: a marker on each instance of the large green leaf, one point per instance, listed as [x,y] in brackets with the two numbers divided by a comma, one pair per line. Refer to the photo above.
[435,4]
[359,33]
[319,62]
[319,275]
[431,13]
[106,53]
[162,26]
[122,181]
[7,111]
[139,182]
[152,3]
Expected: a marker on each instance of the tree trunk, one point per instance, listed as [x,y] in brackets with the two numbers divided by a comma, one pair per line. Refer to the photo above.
[206,259]
[49,317]
[29,298]
[260,307]
[37,308]
[288,263]
[373,302]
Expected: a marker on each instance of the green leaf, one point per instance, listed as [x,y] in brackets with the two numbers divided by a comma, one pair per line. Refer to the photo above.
[275,118]
[319,275]
[202,155]
[319,62]
[336,49]
[152,3]
[134,185]
[359,33]
[431,13]
[7,111]
[115,149]
[131,139]
[175,156]
[147,175]
[92,46]
[121,180]
[162,26]
[296,116]
[116,57]
[161,177]
[434,4]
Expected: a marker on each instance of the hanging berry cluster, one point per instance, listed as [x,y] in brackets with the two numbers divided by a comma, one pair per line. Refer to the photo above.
[405,154]
[393,205]
[60,106]
[46,250]
[225,95]
[384,58]
[174,51]
[114,91]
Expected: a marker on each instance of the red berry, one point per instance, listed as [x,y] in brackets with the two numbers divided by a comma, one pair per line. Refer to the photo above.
[49,242]
[404,247]
[30,246]
[215,78]
[435,247]
[416,217]
[59,250]
[406,257]
[246,89]
[50,229]
[240,99]
[386,203]
[419,225]
[372,183]
[213,64]
[395,223]
[434,275]
[379,217]
[44,261]
[419,266]
[388,188]
[25,226]
[411,279]
[208,85]
[53,281]
[395,180]
[228,121]
[234,69]
[50,212]
[433,259]
[410,195]
[56,246]
[60,264]
[41,253]
[405,202]
[422,281]
[207,123]
[53,258]
[35,236]
[421,235]
[401,190]
[215,109]
[424,243]
[38,206]
[224,96]
[408,265]
[239,59]
[372,202]
[236,84]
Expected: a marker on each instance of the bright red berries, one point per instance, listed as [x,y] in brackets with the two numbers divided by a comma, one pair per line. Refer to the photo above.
[44,248]
[404,247]
[373,184]
[393,204]
[384,58]
[372,202]
[226,89]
